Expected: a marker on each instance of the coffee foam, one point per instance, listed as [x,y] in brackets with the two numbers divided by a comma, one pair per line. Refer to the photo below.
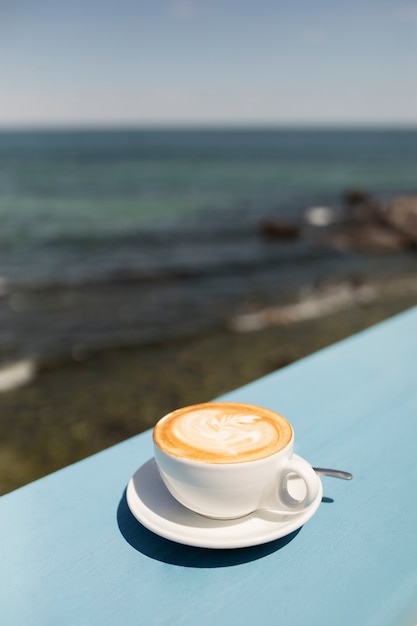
[222,432]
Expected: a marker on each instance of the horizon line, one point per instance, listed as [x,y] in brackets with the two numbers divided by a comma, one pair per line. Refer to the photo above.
[89,126]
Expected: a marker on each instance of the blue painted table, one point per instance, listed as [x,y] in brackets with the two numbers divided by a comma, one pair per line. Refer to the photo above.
[72,554]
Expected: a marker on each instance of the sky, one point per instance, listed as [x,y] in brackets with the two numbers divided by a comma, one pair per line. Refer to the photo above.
[208,62]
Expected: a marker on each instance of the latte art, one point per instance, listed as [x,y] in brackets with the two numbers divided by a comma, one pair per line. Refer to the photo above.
[222,432]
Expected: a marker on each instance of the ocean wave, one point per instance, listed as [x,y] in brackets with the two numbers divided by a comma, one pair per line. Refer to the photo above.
[192,265]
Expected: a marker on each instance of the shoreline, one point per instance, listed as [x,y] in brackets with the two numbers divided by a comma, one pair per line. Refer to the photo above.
[75,409]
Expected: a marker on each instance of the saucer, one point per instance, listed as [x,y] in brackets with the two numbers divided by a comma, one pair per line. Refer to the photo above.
[154,507]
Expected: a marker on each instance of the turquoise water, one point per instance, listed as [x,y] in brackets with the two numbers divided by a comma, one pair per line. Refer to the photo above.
[55,183]
[156,232]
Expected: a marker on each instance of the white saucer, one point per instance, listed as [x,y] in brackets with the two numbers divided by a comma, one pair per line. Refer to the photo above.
[152,504]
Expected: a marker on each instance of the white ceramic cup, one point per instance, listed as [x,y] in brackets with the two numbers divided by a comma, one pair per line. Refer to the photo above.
[233,490]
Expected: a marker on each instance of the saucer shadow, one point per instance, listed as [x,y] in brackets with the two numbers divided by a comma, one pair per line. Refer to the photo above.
[167,551]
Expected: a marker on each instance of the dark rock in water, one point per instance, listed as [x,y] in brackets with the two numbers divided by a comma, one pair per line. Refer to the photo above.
[371,225]
[353,197]
[361,206]
[401,215]
[279,229]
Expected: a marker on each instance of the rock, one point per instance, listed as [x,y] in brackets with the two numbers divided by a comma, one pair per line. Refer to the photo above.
[353,197]
[361,206]
[401,214]
[368,237]
[279,229]
[371,225]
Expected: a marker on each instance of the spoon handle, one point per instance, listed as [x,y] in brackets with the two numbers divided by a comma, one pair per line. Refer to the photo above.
[323,471]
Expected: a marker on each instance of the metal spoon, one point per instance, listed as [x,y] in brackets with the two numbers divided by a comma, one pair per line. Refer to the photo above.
[323,471]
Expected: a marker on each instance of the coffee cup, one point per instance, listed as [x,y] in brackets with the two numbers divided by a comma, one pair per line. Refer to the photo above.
[225,460]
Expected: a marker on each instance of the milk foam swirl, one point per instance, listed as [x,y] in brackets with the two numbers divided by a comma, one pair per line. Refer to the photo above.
[222,432]
[213,430]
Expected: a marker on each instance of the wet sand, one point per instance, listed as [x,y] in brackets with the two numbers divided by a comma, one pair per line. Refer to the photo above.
[72,410]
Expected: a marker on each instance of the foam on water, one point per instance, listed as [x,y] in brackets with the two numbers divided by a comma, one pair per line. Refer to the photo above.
[17,374]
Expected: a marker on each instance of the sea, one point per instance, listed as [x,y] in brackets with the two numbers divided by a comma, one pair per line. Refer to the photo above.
[112,238]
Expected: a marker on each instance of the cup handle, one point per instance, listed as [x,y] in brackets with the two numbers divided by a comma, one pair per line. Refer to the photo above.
[280,500]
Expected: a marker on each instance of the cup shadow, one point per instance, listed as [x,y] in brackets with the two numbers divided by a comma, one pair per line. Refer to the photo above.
[167,551]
